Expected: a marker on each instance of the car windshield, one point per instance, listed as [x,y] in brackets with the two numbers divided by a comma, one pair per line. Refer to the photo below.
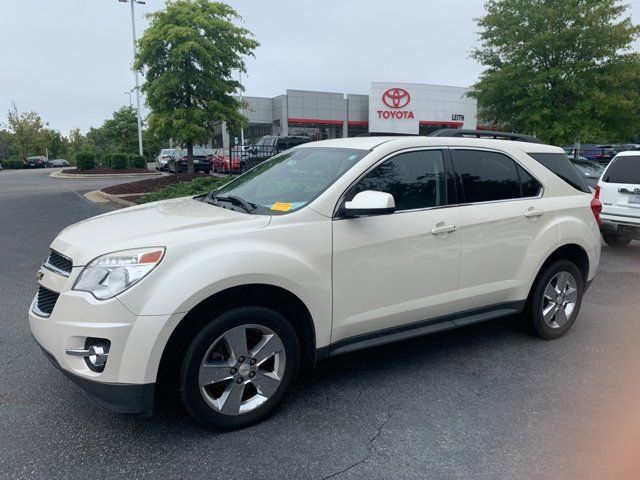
[590,169]
[167,151]
[287,182]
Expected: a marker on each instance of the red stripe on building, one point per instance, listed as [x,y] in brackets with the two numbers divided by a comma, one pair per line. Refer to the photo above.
[442,122]
[315,121]
[358,123]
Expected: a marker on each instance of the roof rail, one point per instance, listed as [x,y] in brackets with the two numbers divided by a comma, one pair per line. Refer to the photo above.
[460,133]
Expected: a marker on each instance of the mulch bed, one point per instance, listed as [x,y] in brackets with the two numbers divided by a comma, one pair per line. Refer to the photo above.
[150,184]
[105,170]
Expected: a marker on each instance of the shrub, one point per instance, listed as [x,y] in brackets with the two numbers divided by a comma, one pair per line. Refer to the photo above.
[184,189]
[137,161]
[119,161]
[105,161]
[11,164]
[86,160]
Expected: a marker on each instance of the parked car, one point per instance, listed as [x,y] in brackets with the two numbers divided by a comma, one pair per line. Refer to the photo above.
[162,160]
[327,248]
[271,145]
[223,163]
[619,192]
[201,161]
[35,162]
[59,162]
[598,153]
[590,169]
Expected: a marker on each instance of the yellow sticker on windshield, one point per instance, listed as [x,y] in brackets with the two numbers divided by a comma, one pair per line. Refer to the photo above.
[281,206]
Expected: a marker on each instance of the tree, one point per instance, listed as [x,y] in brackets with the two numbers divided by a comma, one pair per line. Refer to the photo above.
[28,132]
[121,131]
[559,69]
[55,142]
[190,52]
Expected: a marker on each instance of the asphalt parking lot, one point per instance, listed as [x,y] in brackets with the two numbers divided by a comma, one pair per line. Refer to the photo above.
[483,402]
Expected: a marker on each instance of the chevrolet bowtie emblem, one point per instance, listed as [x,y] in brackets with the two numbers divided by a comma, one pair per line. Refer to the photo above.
[39,275]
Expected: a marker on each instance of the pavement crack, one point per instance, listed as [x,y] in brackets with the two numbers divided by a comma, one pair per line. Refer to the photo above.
[370,446]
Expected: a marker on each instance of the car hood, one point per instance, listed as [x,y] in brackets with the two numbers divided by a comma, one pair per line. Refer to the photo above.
[163,224]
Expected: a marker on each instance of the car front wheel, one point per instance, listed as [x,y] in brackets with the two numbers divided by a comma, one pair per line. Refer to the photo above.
[238,367]
[555,299]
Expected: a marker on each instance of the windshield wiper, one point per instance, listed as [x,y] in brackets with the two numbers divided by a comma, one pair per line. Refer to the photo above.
[240,202]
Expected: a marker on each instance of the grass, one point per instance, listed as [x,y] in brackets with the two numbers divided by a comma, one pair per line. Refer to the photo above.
[184,189]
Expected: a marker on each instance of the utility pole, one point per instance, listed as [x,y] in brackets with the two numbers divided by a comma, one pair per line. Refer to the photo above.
[133,31]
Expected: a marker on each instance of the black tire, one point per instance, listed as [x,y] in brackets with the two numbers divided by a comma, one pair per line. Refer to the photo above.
[534,310]
[616,241]
[189,386]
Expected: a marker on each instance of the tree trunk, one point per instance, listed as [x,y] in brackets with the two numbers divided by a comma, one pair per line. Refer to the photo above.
[189,156]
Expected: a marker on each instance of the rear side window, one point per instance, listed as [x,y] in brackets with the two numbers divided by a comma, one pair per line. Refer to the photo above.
[490,176]
[625,169]
[560,164]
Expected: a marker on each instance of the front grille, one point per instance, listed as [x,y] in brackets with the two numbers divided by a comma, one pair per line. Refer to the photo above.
[59,262]
[46,300]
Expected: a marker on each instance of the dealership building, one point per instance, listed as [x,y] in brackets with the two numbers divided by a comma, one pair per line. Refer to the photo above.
[389,108]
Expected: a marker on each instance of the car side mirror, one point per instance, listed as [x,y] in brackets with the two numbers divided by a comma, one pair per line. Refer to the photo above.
[370,202]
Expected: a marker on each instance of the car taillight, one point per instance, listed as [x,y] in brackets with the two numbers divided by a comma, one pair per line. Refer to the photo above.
[596,206]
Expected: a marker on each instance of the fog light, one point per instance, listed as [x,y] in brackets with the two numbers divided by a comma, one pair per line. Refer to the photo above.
[95,353]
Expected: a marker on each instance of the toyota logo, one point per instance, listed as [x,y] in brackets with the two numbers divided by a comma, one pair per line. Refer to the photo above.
[396,98]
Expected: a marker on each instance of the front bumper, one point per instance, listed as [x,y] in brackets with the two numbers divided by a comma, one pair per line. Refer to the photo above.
[118,397]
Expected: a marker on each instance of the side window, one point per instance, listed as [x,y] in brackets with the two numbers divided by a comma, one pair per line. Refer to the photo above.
[486,176]
[529,185]
[415,179]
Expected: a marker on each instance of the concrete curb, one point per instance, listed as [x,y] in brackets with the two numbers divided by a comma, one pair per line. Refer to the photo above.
[103,175]
[97,196]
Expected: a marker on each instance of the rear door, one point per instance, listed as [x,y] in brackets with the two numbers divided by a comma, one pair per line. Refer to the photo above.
[620,187]
[502,211]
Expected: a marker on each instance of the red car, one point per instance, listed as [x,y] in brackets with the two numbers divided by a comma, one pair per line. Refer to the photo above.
[224,164]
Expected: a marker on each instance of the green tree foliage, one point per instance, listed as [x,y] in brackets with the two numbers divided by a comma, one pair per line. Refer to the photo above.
[28,132]
[121,131]
[85,160]
[190,52]
[55,142]
[559,69]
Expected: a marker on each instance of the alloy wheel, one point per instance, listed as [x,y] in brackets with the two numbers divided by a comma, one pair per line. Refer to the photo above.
[559,300]
[242,369]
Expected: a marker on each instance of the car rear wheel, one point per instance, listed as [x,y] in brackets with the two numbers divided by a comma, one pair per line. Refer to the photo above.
[238,367]
[555,300]
[615,240]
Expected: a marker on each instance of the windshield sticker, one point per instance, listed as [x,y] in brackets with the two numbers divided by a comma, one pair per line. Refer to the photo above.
[281,206]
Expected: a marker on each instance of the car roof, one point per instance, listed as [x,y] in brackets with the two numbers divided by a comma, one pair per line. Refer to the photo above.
[629,153]
[370,143]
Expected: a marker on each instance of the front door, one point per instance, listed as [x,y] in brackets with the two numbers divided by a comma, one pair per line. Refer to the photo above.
[393,270]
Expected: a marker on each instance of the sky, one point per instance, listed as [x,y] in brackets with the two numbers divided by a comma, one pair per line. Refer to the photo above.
[70,60]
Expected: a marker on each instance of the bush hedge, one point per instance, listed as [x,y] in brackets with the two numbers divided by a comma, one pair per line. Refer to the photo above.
[119,161]
[137,161]
[105,160]
[11,164]
[184,189]
[86,160]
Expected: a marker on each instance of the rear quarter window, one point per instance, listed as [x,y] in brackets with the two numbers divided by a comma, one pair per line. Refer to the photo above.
[625,169]
[560,164]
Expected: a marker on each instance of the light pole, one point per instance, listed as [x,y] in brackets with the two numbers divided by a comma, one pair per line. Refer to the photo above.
[130,103]
[133,30]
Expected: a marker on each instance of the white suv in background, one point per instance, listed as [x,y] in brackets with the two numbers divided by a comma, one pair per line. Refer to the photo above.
[619,191]
[323,249]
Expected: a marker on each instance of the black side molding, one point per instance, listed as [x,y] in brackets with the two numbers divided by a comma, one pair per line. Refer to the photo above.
[417,329]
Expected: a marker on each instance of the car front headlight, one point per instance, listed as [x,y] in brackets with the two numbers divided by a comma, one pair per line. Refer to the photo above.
[111,274]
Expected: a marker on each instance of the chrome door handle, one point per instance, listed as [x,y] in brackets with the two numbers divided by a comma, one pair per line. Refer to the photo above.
[532,213]
[443,229]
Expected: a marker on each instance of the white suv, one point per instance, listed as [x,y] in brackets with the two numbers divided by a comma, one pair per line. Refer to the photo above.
[324,249]
[619,191]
